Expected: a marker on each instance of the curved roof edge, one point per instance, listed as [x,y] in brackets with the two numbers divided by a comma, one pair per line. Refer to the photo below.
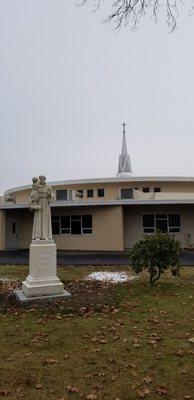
[108,180]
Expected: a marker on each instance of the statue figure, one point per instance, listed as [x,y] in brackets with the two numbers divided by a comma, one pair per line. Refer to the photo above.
[39,201]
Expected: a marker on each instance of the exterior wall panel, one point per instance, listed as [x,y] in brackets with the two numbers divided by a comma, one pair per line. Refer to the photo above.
[133,223]
[107,230]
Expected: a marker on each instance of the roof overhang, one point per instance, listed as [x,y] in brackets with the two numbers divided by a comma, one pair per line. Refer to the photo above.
[132,202]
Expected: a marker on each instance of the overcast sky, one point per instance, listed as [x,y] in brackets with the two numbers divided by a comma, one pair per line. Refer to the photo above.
[67,82]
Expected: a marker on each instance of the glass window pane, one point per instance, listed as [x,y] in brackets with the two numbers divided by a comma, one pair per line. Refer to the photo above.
[76,227]
[61,194]
[174,220]
[87,230]
[100,192]
[65,221]
[126,193]
[174,230]
[146,190]
[90,193]
[157,190]
[76,218]
[65,231]
[148,220]
[56,227]
[86,221]
[161,225]
[161,216]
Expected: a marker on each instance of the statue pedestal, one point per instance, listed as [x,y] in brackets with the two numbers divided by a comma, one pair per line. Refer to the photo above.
[42,279]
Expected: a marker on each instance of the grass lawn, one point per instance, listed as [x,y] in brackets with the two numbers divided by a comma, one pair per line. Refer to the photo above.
[109,341]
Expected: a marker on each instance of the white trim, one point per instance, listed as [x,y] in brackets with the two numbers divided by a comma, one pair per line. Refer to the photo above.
[94,203]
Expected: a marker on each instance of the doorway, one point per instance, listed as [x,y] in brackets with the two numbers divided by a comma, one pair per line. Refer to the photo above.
[11,238]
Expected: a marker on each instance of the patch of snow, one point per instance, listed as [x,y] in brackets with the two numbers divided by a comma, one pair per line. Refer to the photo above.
[114,277]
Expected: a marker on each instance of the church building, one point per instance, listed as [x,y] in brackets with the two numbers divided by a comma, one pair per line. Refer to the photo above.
[104,214]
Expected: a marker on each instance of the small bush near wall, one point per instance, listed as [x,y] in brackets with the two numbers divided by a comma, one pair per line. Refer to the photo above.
[156,253]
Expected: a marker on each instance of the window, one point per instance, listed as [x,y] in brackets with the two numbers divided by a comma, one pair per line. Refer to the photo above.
[61,194]
[75,225]
[146,189]
[157,190]
[90,193]
[148,223]
[56,225]
[161,223]
[65,224]
[153,223]
[72,225]
[86,224]
[13,228]
[126,193]
[174,223]
[100,192]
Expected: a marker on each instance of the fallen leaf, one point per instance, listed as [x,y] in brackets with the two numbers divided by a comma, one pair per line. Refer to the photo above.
[133,365]
[91,396]
[162,391]
[179,353]
[191,340]
[4,392]
[147,380]
[72,389]
[95,350]
[50,361]
[38,386]
[143,393]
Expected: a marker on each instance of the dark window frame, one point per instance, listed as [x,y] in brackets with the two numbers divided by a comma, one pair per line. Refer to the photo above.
[162,218]
[59,192]
[146,190]
[101,192]
[124,195]
[90,193]
[78,224]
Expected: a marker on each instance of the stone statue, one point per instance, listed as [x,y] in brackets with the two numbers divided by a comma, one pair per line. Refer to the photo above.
[39,201]
[42,281]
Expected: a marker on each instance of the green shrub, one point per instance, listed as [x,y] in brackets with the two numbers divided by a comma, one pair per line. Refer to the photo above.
[156,253]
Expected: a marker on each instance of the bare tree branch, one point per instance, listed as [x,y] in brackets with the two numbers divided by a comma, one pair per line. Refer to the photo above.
[124,12]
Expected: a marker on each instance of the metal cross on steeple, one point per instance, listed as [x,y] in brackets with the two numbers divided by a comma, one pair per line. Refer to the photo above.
[124,126]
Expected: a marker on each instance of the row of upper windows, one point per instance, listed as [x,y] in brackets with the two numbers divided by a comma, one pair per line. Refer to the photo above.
[127,193]
[147,190]
[62,194]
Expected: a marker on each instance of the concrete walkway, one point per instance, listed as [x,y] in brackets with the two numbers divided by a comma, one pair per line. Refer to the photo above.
[21,257]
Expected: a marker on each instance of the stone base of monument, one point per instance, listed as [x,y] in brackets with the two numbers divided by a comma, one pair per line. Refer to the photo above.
[23,299]
[42,281]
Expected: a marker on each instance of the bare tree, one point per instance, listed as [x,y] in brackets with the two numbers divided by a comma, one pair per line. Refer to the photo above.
[123,12]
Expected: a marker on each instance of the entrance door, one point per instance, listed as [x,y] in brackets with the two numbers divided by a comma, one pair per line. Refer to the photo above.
[11,232]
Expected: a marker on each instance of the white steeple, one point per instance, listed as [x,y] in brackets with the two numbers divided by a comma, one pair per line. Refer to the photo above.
[124,167]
